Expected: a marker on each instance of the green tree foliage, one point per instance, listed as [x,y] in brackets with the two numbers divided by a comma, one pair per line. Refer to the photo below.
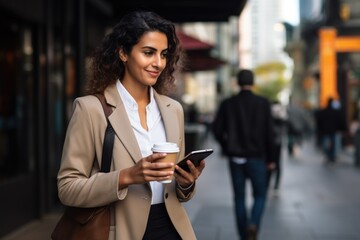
[271,80]
[271,89]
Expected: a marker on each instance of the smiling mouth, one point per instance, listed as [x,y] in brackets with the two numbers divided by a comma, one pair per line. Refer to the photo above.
[154,74]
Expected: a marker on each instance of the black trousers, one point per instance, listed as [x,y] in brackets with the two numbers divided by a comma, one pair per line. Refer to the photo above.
[159,226]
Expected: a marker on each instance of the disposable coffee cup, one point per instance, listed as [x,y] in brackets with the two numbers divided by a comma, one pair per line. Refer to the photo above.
[171,150]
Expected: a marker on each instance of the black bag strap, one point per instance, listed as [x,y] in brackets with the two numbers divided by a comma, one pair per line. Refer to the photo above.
[108,145]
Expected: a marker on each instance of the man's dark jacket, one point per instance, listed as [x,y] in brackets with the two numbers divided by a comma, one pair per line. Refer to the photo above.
[243,126]
[329,121]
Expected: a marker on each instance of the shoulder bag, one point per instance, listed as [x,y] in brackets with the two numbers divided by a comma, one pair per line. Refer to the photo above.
[89,223]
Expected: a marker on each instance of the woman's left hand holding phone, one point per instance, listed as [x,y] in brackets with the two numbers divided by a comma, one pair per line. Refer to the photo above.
[145,170]
[185,178]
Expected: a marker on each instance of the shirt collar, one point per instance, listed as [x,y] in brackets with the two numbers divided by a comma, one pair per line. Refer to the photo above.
[128,100]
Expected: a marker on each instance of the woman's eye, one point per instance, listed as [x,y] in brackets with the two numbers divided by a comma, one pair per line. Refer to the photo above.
[164,54]
[148,53]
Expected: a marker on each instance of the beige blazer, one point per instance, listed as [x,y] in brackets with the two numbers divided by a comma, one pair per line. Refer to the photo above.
[80,184]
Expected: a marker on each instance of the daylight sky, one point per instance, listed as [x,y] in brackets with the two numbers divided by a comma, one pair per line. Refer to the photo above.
[290,11]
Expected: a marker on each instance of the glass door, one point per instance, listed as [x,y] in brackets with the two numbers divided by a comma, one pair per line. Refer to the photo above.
[17,188]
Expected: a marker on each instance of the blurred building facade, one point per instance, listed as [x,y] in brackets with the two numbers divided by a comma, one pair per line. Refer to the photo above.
[262,35]
[265,29]
[202,87]
[343,18]
[44,49]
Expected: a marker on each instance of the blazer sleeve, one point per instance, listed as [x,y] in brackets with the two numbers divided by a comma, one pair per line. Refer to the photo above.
[79,181]
[180,113]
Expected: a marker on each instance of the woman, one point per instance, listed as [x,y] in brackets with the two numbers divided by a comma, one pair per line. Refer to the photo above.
[133,68]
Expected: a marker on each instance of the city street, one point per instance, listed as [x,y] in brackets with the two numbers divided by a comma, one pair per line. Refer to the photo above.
[302,56]
[316,202]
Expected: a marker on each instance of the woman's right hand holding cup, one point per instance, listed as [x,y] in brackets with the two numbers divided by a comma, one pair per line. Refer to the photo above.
[147,169]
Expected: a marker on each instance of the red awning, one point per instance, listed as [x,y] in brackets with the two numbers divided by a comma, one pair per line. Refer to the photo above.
[198,54]
[190,43]
[201,61]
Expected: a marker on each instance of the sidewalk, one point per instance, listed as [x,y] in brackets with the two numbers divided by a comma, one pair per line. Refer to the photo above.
[315,202]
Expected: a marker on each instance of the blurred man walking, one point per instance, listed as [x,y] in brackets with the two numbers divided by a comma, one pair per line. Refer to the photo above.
[329,122]
[243,126]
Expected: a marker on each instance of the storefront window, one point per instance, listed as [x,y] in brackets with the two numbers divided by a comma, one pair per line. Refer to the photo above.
[15,99]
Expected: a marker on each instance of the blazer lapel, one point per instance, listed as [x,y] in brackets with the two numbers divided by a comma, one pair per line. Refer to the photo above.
[169,117]
[121,124]
[122,127]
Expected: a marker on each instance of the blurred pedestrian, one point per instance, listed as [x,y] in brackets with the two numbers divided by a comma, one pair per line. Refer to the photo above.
[243,126]
[299,125]
[329,123]
[279,119]
[133,68]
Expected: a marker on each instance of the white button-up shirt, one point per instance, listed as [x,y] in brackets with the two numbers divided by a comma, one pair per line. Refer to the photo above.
[145,138]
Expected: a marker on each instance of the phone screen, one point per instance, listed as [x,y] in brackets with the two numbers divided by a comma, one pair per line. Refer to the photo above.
[195,157]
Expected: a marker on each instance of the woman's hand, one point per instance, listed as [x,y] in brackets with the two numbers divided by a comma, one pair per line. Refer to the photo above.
[146,170]
[184,178]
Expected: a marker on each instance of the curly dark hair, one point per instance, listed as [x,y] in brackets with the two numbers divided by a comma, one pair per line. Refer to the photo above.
[106,66]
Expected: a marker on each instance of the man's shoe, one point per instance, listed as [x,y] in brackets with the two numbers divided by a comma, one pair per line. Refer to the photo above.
[252,233]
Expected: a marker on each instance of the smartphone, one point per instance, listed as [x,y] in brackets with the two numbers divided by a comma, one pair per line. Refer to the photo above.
[195,157]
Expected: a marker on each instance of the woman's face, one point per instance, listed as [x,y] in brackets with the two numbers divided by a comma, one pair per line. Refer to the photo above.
[146,60]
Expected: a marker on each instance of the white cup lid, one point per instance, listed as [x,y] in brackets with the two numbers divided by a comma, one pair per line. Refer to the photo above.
[167,147]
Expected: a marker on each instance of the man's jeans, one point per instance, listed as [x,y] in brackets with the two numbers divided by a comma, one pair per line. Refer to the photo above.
[329,147]
[255,170]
